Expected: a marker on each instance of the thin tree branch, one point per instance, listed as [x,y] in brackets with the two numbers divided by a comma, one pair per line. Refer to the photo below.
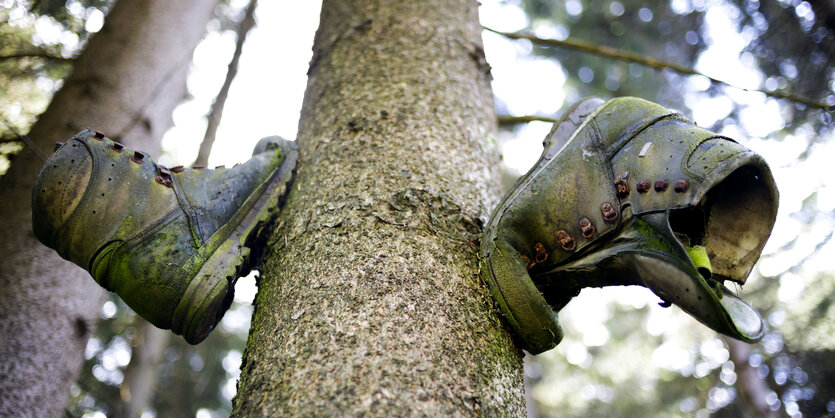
[36,54]
[26,140]
[215,115]
[513,120]
[650,62]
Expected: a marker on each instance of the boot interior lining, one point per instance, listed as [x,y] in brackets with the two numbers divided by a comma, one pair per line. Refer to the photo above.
[733,221]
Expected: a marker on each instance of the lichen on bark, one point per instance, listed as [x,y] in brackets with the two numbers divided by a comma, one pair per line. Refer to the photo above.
[371,300]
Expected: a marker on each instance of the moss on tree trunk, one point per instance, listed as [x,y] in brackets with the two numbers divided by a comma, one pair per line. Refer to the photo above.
[371,300]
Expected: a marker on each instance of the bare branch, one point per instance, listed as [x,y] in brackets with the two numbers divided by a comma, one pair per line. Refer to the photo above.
[138,115]
[513,120]
[26,140]
[35,54]
[657,64]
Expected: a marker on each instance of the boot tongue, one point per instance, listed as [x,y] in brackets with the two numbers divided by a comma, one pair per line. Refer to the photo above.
[743,316]
[698,255]
[681,274]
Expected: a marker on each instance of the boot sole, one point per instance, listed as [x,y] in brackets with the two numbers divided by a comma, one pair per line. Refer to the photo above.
[210,292]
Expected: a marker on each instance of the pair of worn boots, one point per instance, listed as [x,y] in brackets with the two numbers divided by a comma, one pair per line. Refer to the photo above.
[625,193]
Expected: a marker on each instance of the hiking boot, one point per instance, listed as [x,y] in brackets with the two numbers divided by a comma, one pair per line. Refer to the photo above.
[169,242]
[627,192]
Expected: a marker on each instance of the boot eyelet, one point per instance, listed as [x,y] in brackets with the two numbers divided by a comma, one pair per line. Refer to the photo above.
[541,253]
[566,241]
[164,181]
[587,228]
[622,186]
[528,262]
[609,213]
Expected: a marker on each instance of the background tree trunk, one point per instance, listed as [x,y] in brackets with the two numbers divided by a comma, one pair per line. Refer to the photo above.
[126,84]
[753,390]
[371,300]
[147,349]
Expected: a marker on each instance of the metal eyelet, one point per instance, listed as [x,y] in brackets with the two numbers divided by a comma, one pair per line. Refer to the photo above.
[587,228]
[566,241]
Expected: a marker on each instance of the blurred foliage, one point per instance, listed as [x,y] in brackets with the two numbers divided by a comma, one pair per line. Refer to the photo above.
[630,25]
[71,15]
[794,45]
[37,42]
[38,39]
[189,378]
[793,49]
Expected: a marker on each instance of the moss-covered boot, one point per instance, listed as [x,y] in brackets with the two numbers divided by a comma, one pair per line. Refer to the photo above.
[627,192]
[169,242]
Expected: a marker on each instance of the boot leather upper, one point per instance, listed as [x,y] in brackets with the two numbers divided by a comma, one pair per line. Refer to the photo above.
[603,206]
[138,227]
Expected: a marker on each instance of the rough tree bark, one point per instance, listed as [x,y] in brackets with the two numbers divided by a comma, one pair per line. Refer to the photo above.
[371,301]
[125,83]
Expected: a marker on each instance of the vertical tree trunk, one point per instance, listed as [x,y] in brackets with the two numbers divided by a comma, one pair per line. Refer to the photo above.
[148,347]
[371,301]
[125,83]
[753,390]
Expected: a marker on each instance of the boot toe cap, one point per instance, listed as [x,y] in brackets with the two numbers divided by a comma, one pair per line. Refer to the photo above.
[59,188]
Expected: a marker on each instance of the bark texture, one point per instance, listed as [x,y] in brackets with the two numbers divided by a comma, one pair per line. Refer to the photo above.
[371,301]
[125,83]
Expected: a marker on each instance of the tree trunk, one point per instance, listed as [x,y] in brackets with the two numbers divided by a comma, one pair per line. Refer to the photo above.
[125,83]
[371,301]
[147,349]
[753,390]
